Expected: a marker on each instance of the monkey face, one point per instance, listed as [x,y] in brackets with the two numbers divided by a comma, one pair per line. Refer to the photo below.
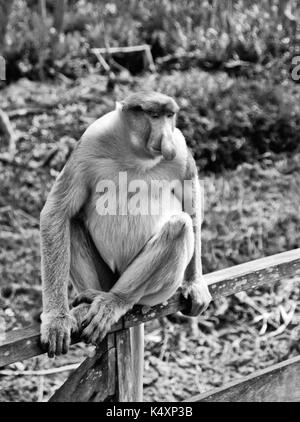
[161,138]
[152,122]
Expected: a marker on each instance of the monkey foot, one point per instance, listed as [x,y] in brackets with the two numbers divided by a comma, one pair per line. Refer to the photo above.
[197,296]
[104,311]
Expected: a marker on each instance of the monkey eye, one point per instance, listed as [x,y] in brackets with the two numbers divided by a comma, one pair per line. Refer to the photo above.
[154,115]
[170,115]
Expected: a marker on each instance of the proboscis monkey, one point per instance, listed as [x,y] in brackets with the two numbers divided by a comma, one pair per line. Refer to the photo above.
[122,257]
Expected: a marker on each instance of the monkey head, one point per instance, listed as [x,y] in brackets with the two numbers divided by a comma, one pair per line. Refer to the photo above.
[151,117]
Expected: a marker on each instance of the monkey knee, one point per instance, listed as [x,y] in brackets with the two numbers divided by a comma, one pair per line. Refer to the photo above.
[179,227]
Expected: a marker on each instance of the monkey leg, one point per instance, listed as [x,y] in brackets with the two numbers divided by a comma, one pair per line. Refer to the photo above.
[154,276]
[88,271]
[87,268]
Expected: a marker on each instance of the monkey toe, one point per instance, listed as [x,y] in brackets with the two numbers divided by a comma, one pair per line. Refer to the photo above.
[88,332]
[95,333]
[103,313]
[192,308]
[98,335]
[197,299]
[96,326]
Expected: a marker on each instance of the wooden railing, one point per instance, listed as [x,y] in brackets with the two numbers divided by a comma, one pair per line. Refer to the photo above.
[110,375]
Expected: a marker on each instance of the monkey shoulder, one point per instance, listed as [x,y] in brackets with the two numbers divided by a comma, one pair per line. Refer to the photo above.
[97,133]
[102,124]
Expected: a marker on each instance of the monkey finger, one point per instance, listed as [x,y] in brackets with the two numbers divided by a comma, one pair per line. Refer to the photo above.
[52,345]
[66,344]
[59,343]
[44,344]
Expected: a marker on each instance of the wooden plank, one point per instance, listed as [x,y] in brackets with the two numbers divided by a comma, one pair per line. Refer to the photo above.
[24,343]
[278,383]
[138,351]
[130,364]
[94,380]
[118,50]
[20,344]
[125,381]
[252,274]
[145,48]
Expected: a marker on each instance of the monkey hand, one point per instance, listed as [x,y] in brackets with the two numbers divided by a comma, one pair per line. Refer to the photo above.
[56,333]
[106,308]
[197,296]
[87,296]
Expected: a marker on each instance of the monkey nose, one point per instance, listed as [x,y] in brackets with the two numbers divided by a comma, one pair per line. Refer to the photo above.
[168,148]
[169,155]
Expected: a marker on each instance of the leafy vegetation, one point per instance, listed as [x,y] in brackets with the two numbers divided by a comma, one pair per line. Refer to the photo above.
[255,32]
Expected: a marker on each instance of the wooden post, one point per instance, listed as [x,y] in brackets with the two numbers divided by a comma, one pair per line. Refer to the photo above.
[130,364]
[94,380]
[114,373]
[138,347]
[124,369]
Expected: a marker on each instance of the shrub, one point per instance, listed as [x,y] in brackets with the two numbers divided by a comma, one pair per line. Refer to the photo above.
[229,121]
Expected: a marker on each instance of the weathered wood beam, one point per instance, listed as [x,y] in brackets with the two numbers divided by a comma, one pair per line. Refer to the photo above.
[94,380]
[116,50]
[278,383]
[107,376]
[144,48]
[24,343]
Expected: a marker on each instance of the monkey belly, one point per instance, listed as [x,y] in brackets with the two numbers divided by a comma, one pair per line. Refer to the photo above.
[119,238]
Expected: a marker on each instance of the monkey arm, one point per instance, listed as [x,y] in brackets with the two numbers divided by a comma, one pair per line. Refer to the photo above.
[55,259]
[194,269]
[63,202]
[195,288]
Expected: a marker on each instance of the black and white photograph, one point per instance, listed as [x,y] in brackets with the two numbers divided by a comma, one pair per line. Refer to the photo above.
[149,203]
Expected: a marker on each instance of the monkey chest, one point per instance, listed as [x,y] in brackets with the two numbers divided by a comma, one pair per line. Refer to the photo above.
[121,224]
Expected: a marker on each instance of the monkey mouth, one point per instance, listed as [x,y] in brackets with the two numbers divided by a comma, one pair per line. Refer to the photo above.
[155,151]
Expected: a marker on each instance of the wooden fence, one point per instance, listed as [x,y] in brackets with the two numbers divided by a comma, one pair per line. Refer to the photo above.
[112,373]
